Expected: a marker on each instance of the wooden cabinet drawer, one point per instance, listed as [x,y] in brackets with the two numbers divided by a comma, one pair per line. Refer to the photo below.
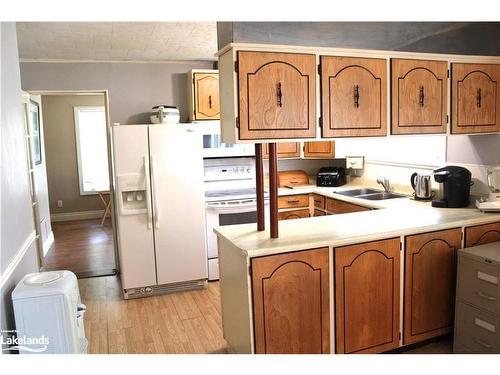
[291,201]
[339,207]
[319,201]
[293,214]
[319,213]
[477,329]
[478,284]
[482,234]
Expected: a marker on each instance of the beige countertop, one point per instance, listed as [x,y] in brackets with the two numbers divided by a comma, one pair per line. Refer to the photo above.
[394,218]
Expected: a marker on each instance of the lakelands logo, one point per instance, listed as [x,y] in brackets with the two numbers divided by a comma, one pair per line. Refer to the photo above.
[23,343]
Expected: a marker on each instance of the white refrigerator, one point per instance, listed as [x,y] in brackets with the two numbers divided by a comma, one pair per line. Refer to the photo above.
[159,198]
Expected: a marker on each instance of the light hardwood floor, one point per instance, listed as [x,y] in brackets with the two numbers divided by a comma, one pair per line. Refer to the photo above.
[186,322]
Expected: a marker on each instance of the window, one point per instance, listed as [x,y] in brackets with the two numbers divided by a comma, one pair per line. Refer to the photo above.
[91,149]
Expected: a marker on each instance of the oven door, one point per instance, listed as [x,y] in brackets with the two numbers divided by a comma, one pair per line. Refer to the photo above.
[227,213]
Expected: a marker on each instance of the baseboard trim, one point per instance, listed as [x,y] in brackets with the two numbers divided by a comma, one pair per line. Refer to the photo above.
[48,243]
[17,259]
[81,215]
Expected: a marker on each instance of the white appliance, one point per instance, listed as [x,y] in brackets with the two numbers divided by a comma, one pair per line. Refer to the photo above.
[230,199]
[49,314]
[492,203]
[213,146]
[158,173]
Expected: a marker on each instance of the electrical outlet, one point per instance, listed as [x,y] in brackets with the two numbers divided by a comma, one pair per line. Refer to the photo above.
[59,203]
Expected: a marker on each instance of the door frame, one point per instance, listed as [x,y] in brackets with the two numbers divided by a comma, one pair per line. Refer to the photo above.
[110,159]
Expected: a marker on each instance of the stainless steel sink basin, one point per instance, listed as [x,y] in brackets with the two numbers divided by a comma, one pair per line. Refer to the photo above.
[356,192]
[381,196]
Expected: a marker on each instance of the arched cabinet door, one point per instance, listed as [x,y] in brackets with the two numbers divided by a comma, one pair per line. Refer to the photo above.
[475,91]
[206,94]
[419,90]
[354,96]
[482,234]
[430,279]
[277,95]
[291,303]
[367,297]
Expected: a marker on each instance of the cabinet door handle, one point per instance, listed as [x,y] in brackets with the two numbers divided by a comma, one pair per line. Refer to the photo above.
[356,96]
[294,201]
[421,96]
[210,101]
[279,94]
[482,343]
[478,98]
[485,296]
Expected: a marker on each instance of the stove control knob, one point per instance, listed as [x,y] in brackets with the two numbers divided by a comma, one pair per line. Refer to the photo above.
[248,170]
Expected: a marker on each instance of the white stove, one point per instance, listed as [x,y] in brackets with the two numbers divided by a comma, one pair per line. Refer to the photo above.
[230,198]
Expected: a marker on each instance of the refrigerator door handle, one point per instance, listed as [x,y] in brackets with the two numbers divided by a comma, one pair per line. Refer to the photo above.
[156,212]
[148,192]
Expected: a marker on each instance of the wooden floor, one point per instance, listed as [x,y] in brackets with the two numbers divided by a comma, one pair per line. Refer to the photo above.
[187,322]
[84,247]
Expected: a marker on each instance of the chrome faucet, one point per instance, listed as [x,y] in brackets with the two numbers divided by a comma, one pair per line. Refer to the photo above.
[384,181]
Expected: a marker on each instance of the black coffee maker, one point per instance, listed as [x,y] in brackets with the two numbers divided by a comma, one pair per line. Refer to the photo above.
[456,186]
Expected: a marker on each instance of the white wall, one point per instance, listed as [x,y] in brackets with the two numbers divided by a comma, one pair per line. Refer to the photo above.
[17,252]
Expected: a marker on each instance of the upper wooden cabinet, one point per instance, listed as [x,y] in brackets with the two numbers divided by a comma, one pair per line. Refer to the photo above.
[418,92]
[203,86]
[430,279]
[284,150]
[319,150]
[277,95]
[367,297]
[354,96]
[291,303]
[475,106]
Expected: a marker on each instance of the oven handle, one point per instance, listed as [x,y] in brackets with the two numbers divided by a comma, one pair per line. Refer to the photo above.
[235,208]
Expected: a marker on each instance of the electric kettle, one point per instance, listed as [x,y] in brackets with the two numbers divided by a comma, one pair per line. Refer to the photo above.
[421,183]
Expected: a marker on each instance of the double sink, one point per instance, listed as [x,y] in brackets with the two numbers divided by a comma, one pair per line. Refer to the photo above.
[370,194]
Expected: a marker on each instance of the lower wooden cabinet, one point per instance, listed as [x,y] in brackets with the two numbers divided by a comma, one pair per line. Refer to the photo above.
[291,302]
[292,201]
[430,279]
[482,234]
[293,214]
[335,206]
[319,213]
[367,297]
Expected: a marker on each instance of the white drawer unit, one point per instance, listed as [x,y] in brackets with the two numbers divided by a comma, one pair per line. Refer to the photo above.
[477,314]
[49,314]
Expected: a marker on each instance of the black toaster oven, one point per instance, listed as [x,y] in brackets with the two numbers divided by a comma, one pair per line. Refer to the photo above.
[331,176]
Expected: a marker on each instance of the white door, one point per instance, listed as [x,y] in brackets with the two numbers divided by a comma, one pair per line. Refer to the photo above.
[135,237]
[178,203]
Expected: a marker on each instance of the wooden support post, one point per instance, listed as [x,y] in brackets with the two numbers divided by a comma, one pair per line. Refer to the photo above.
[259,181]
[273,187]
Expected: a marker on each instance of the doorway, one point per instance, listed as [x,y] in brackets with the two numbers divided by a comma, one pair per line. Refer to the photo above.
[77,226]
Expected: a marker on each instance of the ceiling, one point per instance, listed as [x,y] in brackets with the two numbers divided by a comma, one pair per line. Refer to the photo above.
[117,41]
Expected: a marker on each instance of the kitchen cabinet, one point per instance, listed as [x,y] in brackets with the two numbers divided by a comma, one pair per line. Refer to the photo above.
[319,213]
[475,98]
[203,86]
[429,285]
[367,296]
[334,206]
[277,95]
[354,96]
[319,150]
[291,302]
[419,103]
[293,201]
[482,234]
[319,201]
[284,150]
[293,214]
